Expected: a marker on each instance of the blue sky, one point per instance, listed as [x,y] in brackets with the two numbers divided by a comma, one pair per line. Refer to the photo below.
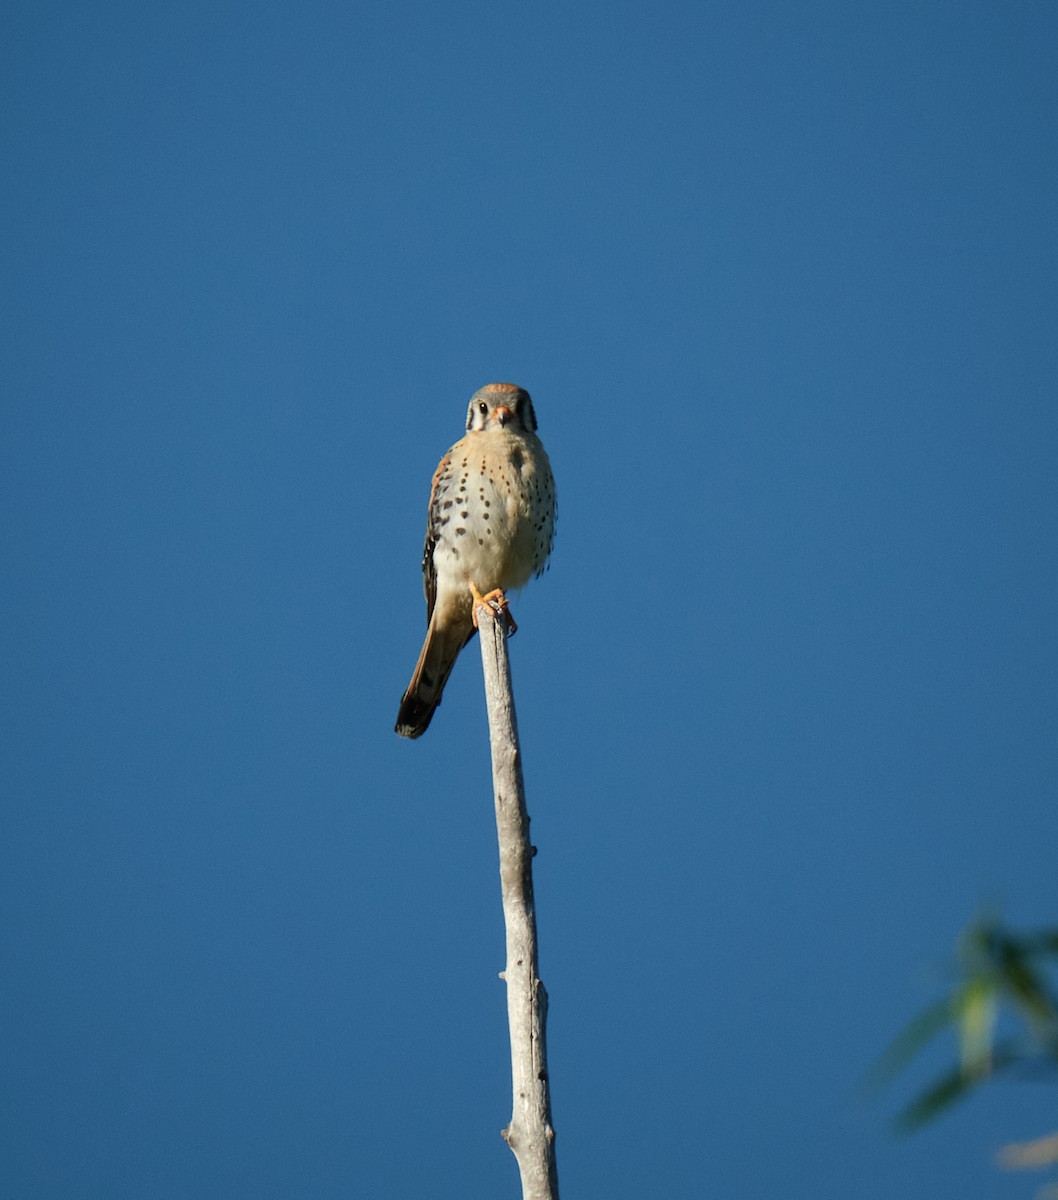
[782,282]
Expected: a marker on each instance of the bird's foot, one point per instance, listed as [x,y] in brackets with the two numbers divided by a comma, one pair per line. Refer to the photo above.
[498,602]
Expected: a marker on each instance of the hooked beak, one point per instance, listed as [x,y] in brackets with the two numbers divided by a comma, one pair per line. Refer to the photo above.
[502,414]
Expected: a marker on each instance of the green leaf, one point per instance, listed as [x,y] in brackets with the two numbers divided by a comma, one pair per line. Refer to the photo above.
[953,1086]
[1025,985]
[1042,943]
[912,1038]
[976,1005]
[996,968]
[934,1100]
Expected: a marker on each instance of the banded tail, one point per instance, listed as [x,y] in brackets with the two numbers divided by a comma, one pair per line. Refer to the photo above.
[438,657]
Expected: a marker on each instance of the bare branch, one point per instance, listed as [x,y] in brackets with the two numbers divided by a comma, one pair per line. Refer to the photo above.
[530,1134]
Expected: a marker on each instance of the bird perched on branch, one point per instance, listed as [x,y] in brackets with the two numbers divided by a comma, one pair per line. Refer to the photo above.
[489,529]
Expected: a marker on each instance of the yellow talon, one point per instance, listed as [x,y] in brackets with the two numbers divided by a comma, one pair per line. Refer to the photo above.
[496,600]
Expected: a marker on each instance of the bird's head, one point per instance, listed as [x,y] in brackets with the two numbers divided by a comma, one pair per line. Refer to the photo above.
[501,406]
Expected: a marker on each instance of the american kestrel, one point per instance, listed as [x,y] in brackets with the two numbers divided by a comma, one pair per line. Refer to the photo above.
[489,529]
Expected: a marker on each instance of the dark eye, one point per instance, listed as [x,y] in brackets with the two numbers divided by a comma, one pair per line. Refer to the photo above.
[483,408]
